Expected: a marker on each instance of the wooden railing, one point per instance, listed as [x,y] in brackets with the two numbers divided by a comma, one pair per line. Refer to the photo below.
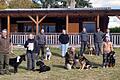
[53,39]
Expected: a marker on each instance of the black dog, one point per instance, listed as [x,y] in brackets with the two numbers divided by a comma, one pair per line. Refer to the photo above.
[111,59]
[43,67]
[15,62]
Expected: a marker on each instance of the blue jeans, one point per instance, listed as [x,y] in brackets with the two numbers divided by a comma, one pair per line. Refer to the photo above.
[64,48]
[30,60]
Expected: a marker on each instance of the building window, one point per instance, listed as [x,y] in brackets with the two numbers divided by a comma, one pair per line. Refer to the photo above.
[49,28]
[90,26]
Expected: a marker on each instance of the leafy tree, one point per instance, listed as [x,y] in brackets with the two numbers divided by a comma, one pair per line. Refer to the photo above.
[22,4]
[64,3]
[3,4]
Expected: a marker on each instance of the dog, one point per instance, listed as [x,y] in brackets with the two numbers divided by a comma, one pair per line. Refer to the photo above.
[48,54]
[111,59]
[91,50]
[15,62]
[84,63]
[42,66]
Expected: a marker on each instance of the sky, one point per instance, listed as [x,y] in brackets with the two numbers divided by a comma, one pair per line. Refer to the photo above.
[114,4]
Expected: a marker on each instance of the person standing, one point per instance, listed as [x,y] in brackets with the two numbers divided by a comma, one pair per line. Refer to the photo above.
[64,40]
[41,41]
[5,45]
[84,41]
[30,45]
[98,40]
[108,34]
[107,48]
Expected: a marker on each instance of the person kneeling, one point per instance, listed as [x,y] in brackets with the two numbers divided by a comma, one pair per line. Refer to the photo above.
[70,58]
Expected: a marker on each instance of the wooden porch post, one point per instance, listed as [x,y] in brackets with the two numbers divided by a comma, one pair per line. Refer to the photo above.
[37,21]
[98,21]
[37,24]
[67,23]
[8,24]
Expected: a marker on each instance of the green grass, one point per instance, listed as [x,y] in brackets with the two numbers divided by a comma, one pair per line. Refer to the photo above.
[59,73]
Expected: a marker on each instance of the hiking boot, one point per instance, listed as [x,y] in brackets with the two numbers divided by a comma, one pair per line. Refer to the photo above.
[7,72]
[2,73]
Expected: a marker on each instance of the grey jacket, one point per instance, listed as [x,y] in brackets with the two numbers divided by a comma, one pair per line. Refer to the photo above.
[98,37]
[41,39]
[84,37]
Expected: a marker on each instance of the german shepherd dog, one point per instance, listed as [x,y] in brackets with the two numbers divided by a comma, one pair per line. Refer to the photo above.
[111,59]
[90,50]
[42,66]
[84,63]
[15,62]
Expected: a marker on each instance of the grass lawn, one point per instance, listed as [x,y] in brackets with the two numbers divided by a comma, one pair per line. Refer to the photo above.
[59,73]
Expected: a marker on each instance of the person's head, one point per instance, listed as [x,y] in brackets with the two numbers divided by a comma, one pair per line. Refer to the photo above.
[4,33]
[72,49]
[98,29]
[107,39]
[84,29]
[42,31]
[64,31]
[31,36]
[107,30]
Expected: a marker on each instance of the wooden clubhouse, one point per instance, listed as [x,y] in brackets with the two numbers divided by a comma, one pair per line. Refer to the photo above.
[53,20]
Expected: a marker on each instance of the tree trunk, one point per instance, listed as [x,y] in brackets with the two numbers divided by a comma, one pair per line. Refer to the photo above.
[71,3]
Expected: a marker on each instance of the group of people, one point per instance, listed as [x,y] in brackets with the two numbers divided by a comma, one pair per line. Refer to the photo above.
[36,44]
[102,44]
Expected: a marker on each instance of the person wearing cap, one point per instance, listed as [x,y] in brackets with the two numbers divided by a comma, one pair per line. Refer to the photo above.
[84,41]
[64,40]
[5,45]
[41,41]
[108,34]
[98,40]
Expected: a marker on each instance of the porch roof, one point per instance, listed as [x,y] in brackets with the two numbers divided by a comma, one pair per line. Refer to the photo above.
[61,12]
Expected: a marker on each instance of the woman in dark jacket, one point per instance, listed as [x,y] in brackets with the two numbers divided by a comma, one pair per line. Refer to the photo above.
[64,40]
[30,44]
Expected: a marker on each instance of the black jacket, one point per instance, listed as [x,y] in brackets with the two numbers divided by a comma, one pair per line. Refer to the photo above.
[84,37]
[41,39]
[31,41]
[64,38]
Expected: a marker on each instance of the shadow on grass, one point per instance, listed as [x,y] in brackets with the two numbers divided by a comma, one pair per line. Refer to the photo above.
[95,65]
[59,66]
[22,67]
[56,54]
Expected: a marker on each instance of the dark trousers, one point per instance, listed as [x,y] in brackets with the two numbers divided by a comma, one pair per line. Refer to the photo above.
[30,60]
[83,47]
[4,62]
[41,48]
[98,47]
[105,59]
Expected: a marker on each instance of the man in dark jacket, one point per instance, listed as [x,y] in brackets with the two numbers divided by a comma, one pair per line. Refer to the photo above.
[41,41]
[64,40]
[84,40]
[4,52]
[98,39]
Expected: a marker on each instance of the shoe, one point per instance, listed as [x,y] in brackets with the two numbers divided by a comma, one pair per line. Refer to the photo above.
[7,72]
[2,73]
